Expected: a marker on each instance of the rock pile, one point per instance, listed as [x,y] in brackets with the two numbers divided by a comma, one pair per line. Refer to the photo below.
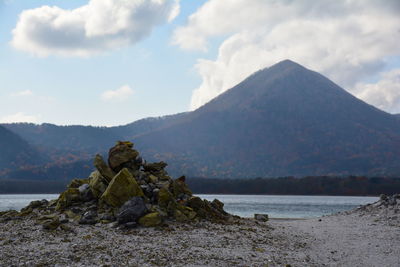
[126,191]
[386,209]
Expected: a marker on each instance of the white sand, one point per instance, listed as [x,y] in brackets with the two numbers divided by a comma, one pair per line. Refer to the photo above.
[346,240]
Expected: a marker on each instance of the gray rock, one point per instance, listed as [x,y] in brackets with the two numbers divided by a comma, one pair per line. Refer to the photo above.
[83,188]
[86,193]
[107,217]
[261,217]
[130,225]
[89,217]
[132,210]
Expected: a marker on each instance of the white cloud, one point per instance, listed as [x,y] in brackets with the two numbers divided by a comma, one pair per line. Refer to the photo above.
[23,93]
[345,40]
[93,28]
[385,94]
[121,94]
[19,117]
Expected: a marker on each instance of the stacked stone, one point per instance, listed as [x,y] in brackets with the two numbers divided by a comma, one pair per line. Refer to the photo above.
[127,191]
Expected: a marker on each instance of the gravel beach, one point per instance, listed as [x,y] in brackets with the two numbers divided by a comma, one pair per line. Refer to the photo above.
[368,236]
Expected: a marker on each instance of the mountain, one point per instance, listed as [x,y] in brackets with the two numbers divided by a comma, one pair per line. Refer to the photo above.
[65,138]
[147,125]
[284,120]
[14,151]
[281,121]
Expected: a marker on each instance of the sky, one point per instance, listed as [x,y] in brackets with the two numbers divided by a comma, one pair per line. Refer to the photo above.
[111,62]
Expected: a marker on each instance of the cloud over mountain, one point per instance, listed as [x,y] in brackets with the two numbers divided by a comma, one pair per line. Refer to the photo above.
[117,95]
[90,29]
[19,117]
[384,94]
[346,40]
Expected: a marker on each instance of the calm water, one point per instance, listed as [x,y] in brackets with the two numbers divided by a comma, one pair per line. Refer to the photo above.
[289,206]
[245,205]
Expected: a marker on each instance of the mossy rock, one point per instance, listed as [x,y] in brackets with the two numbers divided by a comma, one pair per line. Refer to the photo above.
[187,211]
[213,212]
[51,224]
[153,179]
[151,219]
[47,217]
[122,188]
[180,216]
[195,203]
[72,215]
[9,213]
[26,211]
[97,184]
[164,197]
[163,184]
[67,198]
[180,187]
[75,183]
[103,168]
[155,167]
[120,154]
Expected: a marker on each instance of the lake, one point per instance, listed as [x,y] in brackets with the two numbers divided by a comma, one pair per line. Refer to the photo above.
[244,205]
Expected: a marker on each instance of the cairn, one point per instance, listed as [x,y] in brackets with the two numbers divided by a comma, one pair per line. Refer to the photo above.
[125,192]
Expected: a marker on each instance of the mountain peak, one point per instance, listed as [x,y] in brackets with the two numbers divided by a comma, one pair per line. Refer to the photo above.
[286,64]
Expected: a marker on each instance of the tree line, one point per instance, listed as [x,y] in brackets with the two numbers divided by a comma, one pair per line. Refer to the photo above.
[321,185]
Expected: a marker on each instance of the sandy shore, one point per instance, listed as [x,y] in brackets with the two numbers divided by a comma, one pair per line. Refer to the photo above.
[358,238]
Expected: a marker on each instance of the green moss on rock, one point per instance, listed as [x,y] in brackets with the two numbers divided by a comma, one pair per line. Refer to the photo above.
[151,219]
[75,183]
[164,198]
[97,184]
[180,187]
[103,168]
[122,188]
[67,198]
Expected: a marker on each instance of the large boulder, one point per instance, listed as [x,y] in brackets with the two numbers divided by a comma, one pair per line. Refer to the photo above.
[155,167]
[121,188]
[122,155]
[97,184]
[132,210]
[151,219]
[103,168]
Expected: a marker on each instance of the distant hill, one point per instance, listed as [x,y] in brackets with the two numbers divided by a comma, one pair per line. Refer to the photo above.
[65,138]
[281,121]
[284,120]
[147,125]
[16,152]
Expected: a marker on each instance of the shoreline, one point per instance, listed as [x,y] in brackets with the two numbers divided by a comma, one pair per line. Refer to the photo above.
[345,239]
[366,236]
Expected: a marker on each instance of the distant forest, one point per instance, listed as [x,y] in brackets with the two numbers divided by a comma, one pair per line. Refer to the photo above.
[343,186]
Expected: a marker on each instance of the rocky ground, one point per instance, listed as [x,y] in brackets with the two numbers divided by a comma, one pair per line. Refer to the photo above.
[243,242]
[367,236]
